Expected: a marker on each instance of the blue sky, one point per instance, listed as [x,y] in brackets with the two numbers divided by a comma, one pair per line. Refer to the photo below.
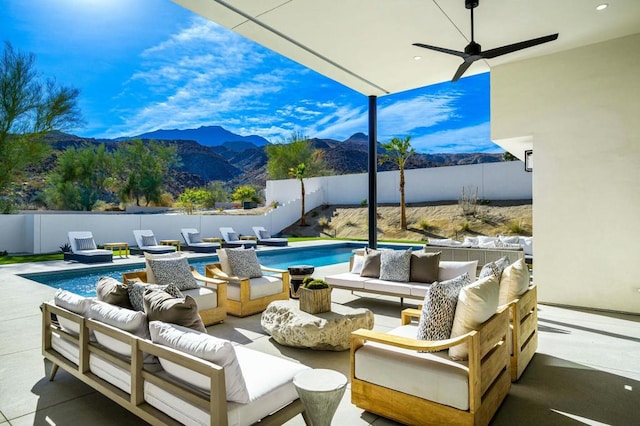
[143,65]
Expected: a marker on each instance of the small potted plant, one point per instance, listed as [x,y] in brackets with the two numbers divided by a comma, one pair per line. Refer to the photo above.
[315,296]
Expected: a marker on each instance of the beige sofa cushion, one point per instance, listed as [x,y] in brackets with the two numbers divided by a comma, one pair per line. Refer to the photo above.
[134,322]
[347,279]
[266,285]
[450,269]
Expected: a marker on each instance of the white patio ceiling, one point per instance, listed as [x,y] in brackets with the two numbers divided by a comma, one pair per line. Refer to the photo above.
[367,44]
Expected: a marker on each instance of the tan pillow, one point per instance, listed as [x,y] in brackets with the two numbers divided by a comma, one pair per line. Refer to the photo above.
[161,306]
[371,264]
[514,281]
[424,267]
[477,302]
[112,291]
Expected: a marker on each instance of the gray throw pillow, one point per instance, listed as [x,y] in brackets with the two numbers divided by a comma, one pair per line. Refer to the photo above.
[161,306]
[195,237]
[112,291]
[371,264]
[85,244]
[136,291]
[494,268]
[264,235]
[172,271]
[149,240]
[233,236]
[424,267]
[439,308]
[395,265]
[244,263]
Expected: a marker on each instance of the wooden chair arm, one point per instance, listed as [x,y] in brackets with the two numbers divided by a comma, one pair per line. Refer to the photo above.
[407,342]
[268,269]
[410,313]
[214,271]
[207,280]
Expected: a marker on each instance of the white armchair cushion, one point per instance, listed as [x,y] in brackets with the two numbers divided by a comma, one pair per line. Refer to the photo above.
[218,351]
[514,281]
[266,285]
[477,303]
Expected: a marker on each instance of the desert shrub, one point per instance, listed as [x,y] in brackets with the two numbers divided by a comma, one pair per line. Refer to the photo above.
[323,222]
[425,225]
[351,223]
[516,227]
[314,213]
[468,202]
[363,202]
[465,226]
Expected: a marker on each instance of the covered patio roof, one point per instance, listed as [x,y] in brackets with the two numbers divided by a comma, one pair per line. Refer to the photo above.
[366,45]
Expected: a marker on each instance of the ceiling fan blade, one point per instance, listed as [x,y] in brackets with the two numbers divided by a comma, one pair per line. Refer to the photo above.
[461,70]
[498,51]
[442,49]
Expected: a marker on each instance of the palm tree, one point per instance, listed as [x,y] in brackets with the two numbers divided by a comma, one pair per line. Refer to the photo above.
[398,151]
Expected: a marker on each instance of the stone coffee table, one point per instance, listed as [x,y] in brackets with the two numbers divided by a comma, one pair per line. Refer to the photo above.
[330,331]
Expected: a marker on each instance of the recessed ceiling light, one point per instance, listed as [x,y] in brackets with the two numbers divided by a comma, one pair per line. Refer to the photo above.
[602,6]
[417,58]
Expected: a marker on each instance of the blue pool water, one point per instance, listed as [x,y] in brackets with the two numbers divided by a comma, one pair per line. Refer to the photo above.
[83,282]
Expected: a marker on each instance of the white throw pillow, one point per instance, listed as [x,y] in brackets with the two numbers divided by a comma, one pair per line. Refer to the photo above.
[477,303]
[448,269]
[204,346]
[224,261]
[358,262]
[509,240]
[395,265]
[514,281]
[85,244]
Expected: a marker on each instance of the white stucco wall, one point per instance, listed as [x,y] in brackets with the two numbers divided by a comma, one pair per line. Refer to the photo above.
[582,109]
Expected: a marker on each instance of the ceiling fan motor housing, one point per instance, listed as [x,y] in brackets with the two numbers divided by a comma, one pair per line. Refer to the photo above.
[471,4]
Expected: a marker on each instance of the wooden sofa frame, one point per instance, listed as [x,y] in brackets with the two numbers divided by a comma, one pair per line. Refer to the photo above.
[489,377]
[134,401]
[247,306]
[524,321]
[208,316]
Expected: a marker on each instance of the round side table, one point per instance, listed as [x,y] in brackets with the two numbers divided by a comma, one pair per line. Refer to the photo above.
[297,274]
[320,391]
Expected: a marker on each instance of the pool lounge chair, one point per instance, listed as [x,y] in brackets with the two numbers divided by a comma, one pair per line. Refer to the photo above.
[193,240]
[265,238]
[233,239]
[147,242]
[84,249]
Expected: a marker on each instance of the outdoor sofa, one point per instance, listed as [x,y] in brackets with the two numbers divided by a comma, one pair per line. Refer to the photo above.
[165,373]
[483,248]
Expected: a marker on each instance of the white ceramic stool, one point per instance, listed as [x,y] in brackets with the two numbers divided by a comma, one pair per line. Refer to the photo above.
[320,391]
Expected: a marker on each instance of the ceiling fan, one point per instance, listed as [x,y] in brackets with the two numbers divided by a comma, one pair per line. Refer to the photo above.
[473,51]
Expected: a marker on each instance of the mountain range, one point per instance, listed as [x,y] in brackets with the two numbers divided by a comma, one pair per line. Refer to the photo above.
[212,153]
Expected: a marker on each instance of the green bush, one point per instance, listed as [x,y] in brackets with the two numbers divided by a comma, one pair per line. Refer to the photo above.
[314,283]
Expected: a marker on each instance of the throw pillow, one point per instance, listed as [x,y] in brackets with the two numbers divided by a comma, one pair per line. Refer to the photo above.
[514,281]
[233,236]
[85,244]
[161,306]
[494,268]
[424,267]
[448,270]
[112,291]
[224,261]
[477,303]
[395,265]
[136,292]
[358,262]
[244,263]
[125,319]
[371,263]
[509,240]
[439,308]
[194,237]
[149,240]
[204,346]
[172,271]
[264,235]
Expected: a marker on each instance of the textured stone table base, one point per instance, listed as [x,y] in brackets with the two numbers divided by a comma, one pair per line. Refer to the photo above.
[330,331]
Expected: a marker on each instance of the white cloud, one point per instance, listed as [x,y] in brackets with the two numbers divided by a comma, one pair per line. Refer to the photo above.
[467,139]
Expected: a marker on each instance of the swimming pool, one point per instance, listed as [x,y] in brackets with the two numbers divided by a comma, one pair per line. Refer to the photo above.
[83,281]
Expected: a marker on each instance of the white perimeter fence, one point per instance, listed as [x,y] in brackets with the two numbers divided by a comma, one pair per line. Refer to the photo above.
[44,232]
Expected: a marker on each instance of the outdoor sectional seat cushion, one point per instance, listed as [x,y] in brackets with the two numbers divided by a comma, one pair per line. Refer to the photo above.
[265,285]
[431,376]
[205,297]
[347,279]
[383,286]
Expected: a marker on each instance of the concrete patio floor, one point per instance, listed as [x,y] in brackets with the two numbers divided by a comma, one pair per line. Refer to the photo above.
[586,370]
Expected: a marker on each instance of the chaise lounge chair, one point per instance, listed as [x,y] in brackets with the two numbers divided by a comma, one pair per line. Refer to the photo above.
[233,239]
[193,240]
[147,242]
[265,238]
[84,249]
